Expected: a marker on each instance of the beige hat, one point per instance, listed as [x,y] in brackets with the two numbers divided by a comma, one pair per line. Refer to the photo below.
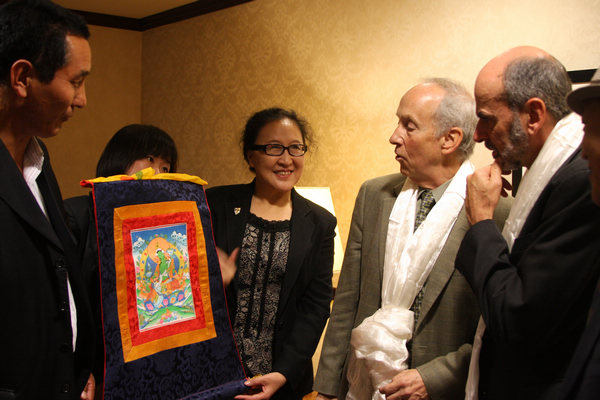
[577,97]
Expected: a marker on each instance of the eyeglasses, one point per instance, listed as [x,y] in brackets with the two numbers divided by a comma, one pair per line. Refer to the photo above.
[294,150]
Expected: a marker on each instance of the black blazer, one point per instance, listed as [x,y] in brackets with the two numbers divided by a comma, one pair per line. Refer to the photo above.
[81,221]
[306,292]
[582,381]
[36,253]
[535,299]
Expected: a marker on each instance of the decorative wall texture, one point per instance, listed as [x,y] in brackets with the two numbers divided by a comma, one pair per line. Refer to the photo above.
[342,64]
[114,91]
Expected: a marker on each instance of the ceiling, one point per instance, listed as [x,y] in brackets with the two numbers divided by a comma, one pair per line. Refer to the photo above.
[123,8]
[140,15]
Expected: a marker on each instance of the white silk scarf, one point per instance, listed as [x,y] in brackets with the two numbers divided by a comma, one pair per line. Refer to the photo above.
[378,344]
[559,146]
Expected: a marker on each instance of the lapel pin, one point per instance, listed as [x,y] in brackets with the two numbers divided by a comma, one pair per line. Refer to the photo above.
[237,210]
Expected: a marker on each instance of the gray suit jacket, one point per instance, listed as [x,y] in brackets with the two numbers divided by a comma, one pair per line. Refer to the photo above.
[442,338]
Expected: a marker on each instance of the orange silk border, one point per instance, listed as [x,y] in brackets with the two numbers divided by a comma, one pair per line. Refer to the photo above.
[135,344]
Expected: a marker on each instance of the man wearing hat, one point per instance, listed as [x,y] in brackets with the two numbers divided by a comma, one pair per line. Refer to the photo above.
[583,376]
[585,101]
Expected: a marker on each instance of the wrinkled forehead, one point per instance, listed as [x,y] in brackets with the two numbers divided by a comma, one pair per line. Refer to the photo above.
[489,85]
[78,57]
[423,98]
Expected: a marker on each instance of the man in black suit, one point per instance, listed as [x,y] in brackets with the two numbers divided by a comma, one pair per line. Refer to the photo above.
[535,280]
[46,341]
[582,381]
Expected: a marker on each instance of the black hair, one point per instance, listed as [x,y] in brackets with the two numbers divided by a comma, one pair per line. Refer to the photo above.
[36,30]
[261,118]
[132,143]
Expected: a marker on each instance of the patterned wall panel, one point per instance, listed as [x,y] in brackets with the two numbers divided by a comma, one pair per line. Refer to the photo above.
[114,91]
[342,64]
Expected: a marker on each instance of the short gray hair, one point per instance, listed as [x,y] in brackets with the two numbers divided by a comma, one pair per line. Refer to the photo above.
[457,109]
[542,77]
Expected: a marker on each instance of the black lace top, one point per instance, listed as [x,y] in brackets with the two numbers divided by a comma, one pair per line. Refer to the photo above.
[263,258]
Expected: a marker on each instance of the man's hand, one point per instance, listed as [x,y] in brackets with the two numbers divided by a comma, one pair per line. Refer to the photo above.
[89,389]
[228,266]
[484,188]
[322,396]
[407,385]
[264,387]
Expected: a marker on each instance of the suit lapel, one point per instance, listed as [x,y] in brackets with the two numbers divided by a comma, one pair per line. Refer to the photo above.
[384,218]
[236,214]
[444,266]
[55,210]
[52,198]
[16,194]
[585,349]
[533,219]
[302,228]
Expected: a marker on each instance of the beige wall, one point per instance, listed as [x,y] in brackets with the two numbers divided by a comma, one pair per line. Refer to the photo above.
[342,64]
[114,94]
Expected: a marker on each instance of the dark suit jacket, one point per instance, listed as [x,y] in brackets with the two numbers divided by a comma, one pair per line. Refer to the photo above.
[442,337]
[535,299]
[80,220]
[37,358]
[582,381]
[306,291]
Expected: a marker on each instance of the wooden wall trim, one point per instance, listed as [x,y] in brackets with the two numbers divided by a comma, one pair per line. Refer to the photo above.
[581,75]
[198,7]
[111,21]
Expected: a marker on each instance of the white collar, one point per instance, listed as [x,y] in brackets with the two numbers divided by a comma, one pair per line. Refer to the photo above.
[33,161]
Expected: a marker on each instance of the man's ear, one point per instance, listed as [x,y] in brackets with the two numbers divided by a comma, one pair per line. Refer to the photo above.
[451,140]
[536,114]
[21,74]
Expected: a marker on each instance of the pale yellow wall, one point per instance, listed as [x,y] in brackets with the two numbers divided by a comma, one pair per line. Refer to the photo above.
[342,64]
[113,100]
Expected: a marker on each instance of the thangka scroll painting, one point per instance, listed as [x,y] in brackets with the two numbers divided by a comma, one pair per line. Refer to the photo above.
[166,328]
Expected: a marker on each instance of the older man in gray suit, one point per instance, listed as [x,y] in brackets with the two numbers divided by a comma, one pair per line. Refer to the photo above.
[403,317]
